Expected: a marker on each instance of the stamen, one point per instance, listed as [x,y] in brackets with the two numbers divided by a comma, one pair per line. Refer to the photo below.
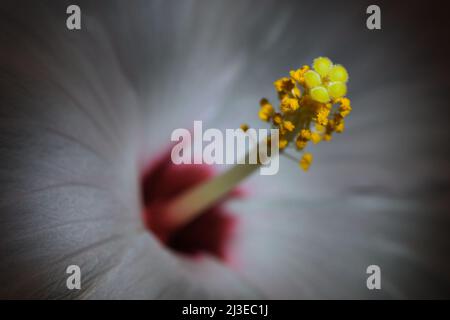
[305,113]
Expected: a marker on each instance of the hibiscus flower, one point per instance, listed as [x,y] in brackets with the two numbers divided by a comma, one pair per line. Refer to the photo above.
[85,123]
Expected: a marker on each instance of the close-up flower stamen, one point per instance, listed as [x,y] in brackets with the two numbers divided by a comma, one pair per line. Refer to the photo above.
[323,103]
[296,119]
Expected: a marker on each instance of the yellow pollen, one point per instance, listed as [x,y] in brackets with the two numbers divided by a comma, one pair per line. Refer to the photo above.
[344,102]
[345,110]
[289,104]
[296,75]
[266,111]
[288,126]
[283,143]
[296,92]
[305,161]
[277,119]
[312,106]
[315,138]
[340,127]
[305,134]
[322,116]
[320,128]
[300,143]
[284,84]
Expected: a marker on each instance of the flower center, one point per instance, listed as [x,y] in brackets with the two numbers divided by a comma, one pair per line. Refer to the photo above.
[209,233]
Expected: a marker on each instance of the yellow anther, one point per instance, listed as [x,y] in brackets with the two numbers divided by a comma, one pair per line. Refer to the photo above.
[319,128]
[315,138]
[296,92]
[284,85]
[278,85]
[283,143]
[305,134]
[340,127]
[305,161]
[288,125]
[322,116]
[277,119]
[300,143]
[263,115]
[344,101]
[266,112]
[296,74]
[293,103]
[330,125]
[345,110]
[289,104]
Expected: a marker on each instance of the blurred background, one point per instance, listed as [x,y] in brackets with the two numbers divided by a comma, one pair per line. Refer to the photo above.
[83,112]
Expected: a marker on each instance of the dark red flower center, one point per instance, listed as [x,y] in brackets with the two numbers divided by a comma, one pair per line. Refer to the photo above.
[209,233]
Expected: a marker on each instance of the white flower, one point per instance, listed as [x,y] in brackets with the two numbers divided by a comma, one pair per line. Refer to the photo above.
[83,111]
